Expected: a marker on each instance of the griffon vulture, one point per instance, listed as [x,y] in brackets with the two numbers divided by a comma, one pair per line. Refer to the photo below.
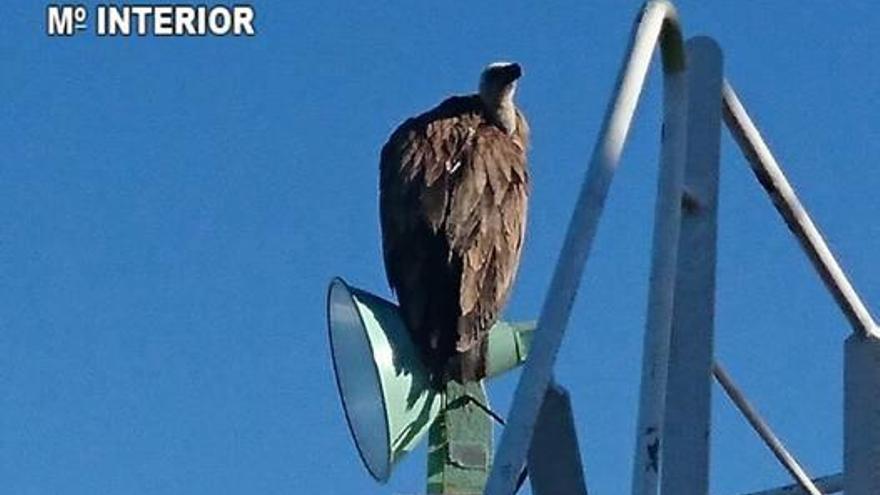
[452,197]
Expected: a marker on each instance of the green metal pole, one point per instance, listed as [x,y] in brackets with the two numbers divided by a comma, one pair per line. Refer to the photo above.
[460,442]
[460,439]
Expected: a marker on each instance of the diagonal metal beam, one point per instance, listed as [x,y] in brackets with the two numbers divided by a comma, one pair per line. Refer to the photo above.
[657,24]
[770,175]
[754,418]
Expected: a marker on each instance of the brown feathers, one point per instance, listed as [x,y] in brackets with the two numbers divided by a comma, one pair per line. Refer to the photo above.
[453,192]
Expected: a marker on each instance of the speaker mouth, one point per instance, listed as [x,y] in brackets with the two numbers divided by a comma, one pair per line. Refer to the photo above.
[385,388]
[358,381]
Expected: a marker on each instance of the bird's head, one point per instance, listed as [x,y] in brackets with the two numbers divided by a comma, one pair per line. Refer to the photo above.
[498,83]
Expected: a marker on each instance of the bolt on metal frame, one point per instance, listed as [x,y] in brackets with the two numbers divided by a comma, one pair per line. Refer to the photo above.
[668,331]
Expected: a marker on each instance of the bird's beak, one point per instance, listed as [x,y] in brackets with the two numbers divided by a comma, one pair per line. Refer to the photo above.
[512,72]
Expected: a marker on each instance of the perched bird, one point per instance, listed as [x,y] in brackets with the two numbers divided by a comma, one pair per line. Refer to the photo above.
[452,198]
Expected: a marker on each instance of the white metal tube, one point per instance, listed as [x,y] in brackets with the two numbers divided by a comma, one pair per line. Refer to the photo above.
[664,255]
[827,484]
[770,176]
[688,410]
[761,427]
[658,19]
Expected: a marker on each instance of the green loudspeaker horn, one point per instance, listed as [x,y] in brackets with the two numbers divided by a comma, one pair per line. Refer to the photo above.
[388,401]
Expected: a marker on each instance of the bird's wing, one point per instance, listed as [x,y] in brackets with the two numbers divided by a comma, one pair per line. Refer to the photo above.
[418,164]
[486,226]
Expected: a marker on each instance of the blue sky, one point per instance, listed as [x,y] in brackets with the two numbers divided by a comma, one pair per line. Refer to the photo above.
[174,208]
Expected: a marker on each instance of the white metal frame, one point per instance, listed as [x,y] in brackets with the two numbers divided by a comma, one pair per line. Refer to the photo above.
[657,23]
[687,412]
[681,288]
